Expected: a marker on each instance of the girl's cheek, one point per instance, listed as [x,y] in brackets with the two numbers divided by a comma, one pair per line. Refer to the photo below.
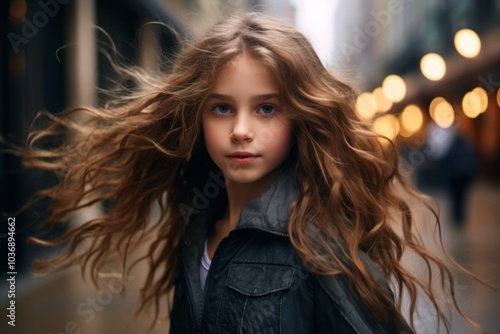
[275,140]
[265,137]
[278,124]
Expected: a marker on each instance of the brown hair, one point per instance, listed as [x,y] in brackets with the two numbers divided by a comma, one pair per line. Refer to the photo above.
[149,151]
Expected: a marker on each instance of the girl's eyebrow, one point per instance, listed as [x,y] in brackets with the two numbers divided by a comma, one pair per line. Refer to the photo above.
[260,97]
[216,96]
[265,96]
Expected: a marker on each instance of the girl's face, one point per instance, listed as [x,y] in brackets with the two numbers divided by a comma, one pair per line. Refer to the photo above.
[246,133]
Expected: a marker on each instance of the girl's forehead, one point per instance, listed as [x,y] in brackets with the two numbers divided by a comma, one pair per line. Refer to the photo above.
[245,72]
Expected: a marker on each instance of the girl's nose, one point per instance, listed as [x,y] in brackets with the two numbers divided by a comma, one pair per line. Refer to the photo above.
[242,130]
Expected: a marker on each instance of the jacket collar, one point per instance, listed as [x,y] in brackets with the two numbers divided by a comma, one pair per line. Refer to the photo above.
[270,211]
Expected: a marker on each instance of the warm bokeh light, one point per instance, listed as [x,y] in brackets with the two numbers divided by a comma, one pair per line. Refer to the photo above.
[498,97]
[18,9]
[411,120]
[387,126]
[467,43]
[366,106]
[471,104]
[383,103]
[394,88]
[432,106]
[433,66]
[481,92]
[444,114]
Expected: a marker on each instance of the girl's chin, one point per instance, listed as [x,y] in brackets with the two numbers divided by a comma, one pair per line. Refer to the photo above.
[244,179]
[247,176]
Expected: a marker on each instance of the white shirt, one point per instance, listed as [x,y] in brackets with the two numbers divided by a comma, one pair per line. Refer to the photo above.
[204,266]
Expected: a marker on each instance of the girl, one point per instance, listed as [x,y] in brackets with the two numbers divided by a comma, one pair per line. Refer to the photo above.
[277,204]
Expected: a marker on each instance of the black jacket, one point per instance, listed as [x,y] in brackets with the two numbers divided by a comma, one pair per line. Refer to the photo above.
[256,283]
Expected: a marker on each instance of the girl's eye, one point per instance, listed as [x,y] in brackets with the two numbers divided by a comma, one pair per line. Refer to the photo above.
[267,109]
[222,109]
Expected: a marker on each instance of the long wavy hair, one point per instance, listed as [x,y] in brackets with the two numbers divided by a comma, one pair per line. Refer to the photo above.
[147,150]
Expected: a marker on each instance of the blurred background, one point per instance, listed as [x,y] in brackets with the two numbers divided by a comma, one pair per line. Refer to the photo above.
[428,73]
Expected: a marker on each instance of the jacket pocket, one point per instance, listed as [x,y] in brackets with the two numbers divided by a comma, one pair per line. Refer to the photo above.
[252,298]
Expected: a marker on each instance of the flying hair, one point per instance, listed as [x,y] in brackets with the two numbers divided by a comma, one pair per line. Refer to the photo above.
[146,151]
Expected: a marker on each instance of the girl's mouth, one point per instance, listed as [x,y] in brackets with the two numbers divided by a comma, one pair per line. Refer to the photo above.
[242,158]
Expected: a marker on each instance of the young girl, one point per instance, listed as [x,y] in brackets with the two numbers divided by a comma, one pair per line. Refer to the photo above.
[279,209]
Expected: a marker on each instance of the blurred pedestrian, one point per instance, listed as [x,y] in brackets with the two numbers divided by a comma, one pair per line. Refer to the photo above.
[451,164]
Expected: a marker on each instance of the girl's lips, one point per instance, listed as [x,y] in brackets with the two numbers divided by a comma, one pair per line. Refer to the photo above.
[242,158]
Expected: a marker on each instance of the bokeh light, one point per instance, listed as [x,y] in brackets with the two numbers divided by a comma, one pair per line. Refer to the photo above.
[411,120]
[481,92]
[18,9]
[432,106]
[366,106]
[467,43]
[444,115]
[394,88]
[387,126]
[433,66]
[498,97]
[471,104]
[383,103]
